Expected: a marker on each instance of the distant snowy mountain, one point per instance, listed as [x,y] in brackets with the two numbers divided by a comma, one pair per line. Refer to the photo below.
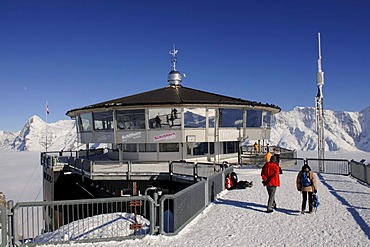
[60,135]
[295,129]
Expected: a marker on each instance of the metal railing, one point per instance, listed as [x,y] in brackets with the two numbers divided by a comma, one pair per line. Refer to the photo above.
[54,222]
[360,171]
[177,210]
[100,168]
[3,226]
[92,220]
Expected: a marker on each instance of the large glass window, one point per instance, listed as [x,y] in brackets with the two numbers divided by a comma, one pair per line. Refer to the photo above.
[129,147]
[200,148]
[103,120]
[195,117]
[230,147]
[254,118]
[85,122]
[164,118]
[231,118]
[148,147]
[211,117]
[266,117]
[168,147]
[131,119]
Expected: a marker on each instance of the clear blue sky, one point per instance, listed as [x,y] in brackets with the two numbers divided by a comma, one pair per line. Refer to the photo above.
[76,53]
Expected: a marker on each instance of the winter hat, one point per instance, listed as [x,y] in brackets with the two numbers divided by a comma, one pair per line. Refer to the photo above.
[306,166]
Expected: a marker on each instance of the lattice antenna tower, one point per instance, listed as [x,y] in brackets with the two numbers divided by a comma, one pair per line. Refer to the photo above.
[173,52]
[174,77]
[319,108]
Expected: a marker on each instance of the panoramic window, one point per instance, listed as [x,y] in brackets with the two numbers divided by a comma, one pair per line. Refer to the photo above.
[131,119]
[200,148]
[103,120]
[148,147]
[85,122]
[195,118]
[266,117]
[230,147]
[129,147]
[164,118]
[168,147]
[231,118]
[254,118]
[211,118]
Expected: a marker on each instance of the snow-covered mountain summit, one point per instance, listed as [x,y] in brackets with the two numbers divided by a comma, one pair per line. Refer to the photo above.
[60,135]
[294,129]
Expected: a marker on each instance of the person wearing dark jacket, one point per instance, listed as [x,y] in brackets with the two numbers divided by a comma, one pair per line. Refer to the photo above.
[271,179]
[307,184]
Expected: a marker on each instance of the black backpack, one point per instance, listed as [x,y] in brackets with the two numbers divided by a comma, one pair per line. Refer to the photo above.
[234,178]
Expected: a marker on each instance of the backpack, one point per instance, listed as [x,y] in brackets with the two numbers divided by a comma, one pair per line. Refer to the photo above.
[234,178]
[305,179]
[229,183]
[315,200]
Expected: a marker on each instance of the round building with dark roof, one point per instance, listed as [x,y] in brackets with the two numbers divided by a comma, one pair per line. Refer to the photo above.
[173,123]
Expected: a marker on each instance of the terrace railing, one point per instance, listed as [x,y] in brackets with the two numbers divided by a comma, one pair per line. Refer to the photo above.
[105,219]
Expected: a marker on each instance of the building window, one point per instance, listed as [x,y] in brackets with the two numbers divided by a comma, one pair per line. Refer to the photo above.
[266,117]
[195,118]
[211,118]
[200,148]
[168,147]
[254,118]
[103,120]
[129,147]
[164,118]
[131,119]
[85,122]
[230,147]
[148,147]
[231,118]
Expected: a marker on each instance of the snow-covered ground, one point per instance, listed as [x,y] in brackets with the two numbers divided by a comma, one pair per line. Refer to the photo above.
[237,217]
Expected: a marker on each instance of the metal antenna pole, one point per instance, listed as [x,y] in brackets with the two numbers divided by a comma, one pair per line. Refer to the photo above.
[173,52]
[319,109]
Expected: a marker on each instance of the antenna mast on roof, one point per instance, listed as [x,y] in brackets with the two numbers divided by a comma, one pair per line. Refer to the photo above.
[319,110]
[173,52]
[174,77]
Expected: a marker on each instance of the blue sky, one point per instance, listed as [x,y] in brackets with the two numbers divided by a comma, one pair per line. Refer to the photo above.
[77,53]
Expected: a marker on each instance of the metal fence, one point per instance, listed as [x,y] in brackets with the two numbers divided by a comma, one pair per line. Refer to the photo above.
[118,218]
[328,166]
[92,220]
[3,226]
[290,161]
[177,210]
[360,171]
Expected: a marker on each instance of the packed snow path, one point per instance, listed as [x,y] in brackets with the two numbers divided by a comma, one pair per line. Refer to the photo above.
[238,217]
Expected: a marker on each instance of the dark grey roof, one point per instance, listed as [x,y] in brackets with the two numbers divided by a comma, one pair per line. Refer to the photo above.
[173,95]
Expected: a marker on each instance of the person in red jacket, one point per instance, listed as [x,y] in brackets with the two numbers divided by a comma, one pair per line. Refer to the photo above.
[270,179]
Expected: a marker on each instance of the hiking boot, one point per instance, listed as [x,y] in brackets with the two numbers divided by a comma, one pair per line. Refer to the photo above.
[274,207]
[310,212]
[302,212]
[269,211]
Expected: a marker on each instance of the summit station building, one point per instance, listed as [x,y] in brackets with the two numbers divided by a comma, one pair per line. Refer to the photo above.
[173,123]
